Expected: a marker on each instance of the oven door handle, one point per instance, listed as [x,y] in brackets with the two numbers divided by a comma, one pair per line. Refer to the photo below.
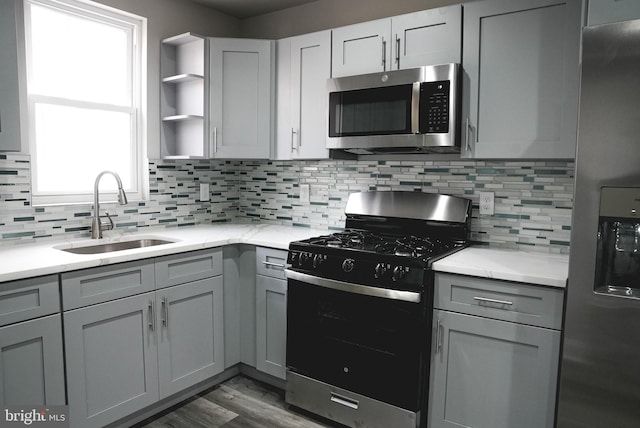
[386,293]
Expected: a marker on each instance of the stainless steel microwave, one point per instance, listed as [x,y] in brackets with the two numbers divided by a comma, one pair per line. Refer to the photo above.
[401,111]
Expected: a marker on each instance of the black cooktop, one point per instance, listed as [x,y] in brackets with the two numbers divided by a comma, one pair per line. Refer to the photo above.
[365,241]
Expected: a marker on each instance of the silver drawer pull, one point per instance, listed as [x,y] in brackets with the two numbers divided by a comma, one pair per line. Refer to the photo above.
[500,302]
[345,401]
[276,265]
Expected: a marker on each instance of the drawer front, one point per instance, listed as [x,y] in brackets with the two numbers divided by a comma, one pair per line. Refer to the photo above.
[270,262]
[523,303]
[28,298]
[98,285]
[187,267]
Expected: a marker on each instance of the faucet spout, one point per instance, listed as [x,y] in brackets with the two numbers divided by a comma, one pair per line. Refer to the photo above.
[97,226]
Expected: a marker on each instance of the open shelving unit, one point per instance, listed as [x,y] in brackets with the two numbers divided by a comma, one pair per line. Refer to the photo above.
[184,96]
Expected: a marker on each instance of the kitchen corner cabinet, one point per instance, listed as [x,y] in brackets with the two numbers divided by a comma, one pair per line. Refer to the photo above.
[303,67]
[495,353]
[242,83]
[184,96]
[520,92]
[271,312]
[125,353]
[427,37]
[31,360]
[9,91]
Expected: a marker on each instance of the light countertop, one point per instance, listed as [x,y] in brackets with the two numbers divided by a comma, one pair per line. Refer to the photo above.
[510,265]
[30,260]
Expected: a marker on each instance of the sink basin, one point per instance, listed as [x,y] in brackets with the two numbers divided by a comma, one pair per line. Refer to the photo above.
[116,246]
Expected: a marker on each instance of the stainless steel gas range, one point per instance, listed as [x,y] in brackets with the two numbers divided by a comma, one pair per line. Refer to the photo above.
[359,308]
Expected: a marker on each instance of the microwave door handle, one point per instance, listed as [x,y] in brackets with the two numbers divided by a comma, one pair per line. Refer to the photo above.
[415,108]
[384,54]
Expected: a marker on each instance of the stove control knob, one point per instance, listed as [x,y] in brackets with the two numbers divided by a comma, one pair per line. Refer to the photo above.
[398,273]
[317,261]
[348,265]
[302,259]
[380,270]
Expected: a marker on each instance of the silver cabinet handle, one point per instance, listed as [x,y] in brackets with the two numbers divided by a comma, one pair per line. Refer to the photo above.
[294,140]
[467,138]
[397,51]
[215,139]
[487,300]
[345,401]
[165,311]
[151,316]
[438,337]
[277,265]
[384,54]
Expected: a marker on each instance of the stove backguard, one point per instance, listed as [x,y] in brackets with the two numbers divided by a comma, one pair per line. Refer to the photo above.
[618,255]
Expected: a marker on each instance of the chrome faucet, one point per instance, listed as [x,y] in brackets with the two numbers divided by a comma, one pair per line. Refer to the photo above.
[97,226]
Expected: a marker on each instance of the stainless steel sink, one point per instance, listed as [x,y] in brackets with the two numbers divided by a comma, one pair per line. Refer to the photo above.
[116,246]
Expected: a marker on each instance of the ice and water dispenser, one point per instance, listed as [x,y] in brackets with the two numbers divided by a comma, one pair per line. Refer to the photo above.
[618,256]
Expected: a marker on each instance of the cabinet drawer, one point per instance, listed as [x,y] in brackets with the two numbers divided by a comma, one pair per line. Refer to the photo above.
[503,300]
[183,268]
[28,298]
[98,285]
[270,262]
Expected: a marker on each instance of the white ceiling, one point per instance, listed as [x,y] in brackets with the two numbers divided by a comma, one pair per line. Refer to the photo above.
[247,8]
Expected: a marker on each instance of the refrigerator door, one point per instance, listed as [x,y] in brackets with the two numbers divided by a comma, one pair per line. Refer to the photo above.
[600,368]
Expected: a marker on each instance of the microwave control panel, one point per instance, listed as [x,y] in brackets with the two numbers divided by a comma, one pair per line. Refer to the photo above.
[434,107]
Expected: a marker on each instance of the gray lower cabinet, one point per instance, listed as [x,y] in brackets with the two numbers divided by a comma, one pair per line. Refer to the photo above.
[486,370]
[31,357]
[190,334]
[127,353]
[112,360]
[271,312]
[31,363]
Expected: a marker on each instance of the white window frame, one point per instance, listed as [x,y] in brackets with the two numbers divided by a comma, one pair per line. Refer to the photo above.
[137,27]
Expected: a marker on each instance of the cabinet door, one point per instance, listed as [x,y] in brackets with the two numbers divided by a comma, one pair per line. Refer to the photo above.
[361,48]
[191,334]
[310,69]
[242,80]
[427,37]
[9,95]
[31,363]
[271,325]
[522,64]
[112,360]
[491,374]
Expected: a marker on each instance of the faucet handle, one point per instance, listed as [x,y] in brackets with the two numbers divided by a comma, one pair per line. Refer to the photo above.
[107,226]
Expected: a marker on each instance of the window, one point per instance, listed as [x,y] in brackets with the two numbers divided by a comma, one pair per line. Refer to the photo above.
[85,80]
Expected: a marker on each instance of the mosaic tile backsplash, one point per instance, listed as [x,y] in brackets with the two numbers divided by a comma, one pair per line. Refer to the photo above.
[533,199]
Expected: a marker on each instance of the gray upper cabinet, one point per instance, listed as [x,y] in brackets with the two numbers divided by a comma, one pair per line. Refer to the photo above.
[242,102]
[520,87]
[303,67]
[9,95]
[422,38]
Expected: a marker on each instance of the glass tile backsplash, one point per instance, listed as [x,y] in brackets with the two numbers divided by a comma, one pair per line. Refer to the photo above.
[533,199]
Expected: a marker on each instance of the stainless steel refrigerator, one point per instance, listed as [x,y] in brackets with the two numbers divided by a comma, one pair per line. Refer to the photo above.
[600,368]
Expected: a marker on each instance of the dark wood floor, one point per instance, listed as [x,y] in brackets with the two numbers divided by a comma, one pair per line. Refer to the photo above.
[240,402]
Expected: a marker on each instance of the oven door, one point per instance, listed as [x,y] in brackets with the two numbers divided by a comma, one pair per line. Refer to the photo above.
[373,346]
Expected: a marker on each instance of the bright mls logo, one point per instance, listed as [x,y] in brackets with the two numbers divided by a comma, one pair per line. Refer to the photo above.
[35,416]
